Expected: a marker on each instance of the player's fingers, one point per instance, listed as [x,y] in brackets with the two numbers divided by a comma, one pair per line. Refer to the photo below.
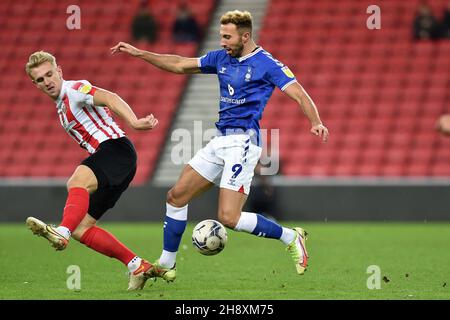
[321,132]
[149,122]
[122,47]
[116,47]
[325,135]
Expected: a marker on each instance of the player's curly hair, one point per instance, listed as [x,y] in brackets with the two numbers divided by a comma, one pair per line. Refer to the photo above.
[242,19]
[36,59]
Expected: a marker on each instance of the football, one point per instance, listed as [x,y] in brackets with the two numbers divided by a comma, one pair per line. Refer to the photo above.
[209,237]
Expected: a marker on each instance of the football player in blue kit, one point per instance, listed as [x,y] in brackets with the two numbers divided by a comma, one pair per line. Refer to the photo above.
[247,75]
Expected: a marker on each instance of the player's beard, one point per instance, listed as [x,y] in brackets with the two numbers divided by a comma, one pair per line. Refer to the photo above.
[237,53]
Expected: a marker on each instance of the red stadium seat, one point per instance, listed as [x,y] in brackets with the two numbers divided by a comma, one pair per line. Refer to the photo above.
[379,93]
[32,142]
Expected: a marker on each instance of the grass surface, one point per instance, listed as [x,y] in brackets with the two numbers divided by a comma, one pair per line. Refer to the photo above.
[414,260]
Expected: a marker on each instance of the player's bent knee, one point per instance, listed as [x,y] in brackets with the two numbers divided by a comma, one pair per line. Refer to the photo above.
[175,198]
[76,183]
[228,220]
[83,178]
[170,198]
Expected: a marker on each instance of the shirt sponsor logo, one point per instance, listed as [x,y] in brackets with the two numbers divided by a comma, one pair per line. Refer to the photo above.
[230,90]
[233,101]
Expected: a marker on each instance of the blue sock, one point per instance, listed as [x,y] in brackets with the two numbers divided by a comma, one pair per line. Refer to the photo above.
[267,228]
[259,225]
[173,232]
[174,226]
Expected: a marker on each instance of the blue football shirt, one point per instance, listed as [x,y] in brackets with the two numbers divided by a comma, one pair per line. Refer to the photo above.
[246,84]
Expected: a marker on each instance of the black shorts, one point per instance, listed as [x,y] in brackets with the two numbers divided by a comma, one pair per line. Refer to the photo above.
[114,166]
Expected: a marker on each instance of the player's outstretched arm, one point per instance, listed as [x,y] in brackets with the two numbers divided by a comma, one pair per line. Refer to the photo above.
[123,111]
[167,62]
[296,92]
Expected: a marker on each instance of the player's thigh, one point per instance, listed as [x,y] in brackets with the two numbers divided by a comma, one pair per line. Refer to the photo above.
[106,197]
[239,166]
[231,203]
[189,185]
[83,177]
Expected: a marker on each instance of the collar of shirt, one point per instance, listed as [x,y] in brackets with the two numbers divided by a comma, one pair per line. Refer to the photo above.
[62,93]
[251,54]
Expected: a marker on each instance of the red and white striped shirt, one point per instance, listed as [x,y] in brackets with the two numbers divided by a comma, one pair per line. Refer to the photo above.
[87,124]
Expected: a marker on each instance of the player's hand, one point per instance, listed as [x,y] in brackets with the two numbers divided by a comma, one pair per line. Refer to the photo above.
[147,123]
[443,124]
[321,131]
[127,48]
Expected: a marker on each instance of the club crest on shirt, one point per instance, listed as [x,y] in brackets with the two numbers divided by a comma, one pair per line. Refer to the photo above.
[85,88]
[248,75]
[288,72]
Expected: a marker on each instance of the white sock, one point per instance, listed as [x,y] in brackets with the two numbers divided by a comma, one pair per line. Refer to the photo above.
[287,236]
[167,259]
[64,232]
[177,213]
[247,222]
[134,264]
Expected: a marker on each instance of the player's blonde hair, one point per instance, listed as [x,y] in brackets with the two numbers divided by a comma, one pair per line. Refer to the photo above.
[242,19]
[37,58]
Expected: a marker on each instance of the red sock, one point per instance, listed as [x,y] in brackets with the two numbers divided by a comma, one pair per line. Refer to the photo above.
[104,242]
[77,205]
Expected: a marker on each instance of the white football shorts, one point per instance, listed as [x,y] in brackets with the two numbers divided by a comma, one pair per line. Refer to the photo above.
[232,156]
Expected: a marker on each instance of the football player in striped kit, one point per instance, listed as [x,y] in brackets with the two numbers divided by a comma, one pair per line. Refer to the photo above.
[98,182]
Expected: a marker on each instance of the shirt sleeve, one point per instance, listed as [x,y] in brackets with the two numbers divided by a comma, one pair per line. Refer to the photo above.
[280,75]
[85,92]
[208,62]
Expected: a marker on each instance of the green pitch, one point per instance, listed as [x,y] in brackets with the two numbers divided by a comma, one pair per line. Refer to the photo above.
[414,262]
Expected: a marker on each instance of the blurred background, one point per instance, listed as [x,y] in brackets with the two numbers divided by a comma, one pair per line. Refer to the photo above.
[379,92]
